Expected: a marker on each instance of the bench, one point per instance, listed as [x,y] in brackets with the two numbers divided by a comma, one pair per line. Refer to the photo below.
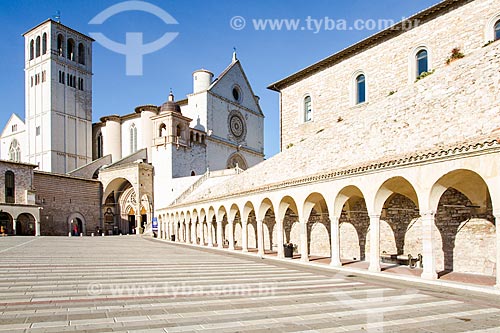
[401,259]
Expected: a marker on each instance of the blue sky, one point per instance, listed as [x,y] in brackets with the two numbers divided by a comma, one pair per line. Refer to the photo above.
[206,40]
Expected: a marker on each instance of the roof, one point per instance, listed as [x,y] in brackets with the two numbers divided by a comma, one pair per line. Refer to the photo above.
[19,163]
[62,25]
[388,33]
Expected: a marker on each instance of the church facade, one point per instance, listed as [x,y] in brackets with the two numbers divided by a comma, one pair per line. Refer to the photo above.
[408,124]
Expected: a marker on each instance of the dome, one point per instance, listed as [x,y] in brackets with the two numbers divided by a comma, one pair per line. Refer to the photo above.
[170,105]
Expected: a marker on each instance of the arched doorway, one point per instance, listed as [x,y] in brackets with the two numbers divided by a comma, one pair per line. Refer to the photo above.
[25,225]
[5,224]
[131,221]
[76,223]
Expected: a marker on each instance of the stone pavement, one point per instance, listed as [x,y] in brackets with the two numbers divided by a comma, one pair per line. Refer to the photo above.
[127,283]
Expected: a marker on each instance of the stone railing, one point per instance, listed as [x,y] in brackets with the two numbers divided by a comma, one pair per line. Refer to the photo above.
[209,174]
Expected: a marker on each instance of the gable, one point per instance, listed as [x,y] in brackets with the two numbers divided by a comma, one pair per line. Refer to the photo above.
[233,77]
[14,122]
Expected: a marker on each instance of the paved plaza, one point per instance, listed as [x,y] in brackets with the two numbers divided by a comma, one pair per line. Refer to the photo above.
[127,283]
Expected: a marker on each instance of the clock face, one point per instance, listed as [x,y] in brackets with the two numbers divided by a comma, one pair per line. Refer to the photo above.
[237,126]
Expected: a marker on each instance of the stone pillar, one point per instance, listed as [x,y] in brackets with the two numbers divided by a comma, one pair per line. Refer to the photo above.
[138,224]
[304,251]
[188,233]
[260,237]
[428,257]
[14,222]
[335,241]
[37,228]
[374,243]
[160,230]
[280,241]
[210,235]
[497,225]
[194,240]
[231,234]
[220,241]
[202,237]
[244,235]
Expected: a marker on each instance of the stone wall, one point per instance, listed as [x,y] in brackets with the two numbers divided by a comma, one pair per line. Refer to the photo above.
[63,198]
[23,178]
[397,107]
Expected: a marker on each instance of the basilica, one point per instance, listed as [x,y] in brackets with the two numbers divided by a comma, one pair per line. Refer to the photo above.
[389,157]
[168,147]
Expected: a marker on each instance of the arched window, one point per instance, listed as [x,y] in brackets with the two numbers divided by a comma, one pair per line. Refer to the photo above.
[133,139]
[422,62]
[81,54]
[15,151]
[360,89]
[193,173]
[44,43]
[37,46]
[178,130]
[32,49]
[162,131]
[60,44]
[307,108]
[497,30]
[100,145]
[70,52]
[10,187]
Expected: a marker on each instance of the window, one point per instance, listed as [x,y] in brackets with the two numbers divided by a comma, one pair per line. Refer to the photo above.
[60,43]
[10,187]
[178,131]
[360,89]
[81,54]
[162,130]
[44,76]
[14,127]
[15,151]
[37,131]
[31,81]
[32,49]
[44,43]
[37,46]
[236,94]
[307,109]
[100,145]
[497,30]
[422,62]
[71,49]
[133,139]
[61,77]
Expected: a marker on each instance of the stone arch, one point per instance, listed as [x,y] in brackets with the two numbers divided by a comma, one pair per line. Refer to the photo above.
[76,224]
[316,214]
[465,222]
[235,216]
[397,202]
[237,160]
[25,225]
[266,214]
[5,223]
[351,206]
[288,212]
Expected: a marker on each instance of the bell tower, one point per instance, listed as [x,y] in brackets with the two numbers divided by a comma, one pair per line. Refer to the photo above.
[58,97]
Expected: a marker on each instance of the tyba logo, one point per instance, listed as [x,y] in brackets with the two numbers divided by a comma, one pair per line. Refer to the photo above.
[134,48]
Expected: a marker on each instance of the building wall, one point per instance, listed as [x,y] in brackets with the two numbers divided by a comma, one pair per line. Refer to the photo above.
[23,174]
[387,67]
[62,197]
